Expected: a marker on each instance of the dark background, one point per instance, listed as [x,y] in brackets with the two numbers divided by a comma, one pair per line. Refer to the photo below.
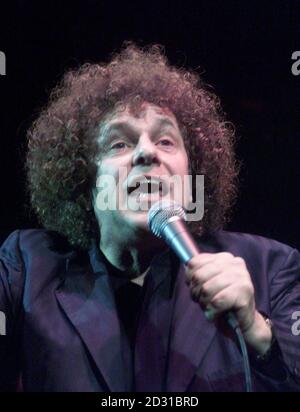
[243,49]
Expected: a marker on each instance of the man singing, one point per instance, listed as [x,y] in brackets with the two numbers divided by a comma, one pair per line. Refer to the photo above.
[94,301]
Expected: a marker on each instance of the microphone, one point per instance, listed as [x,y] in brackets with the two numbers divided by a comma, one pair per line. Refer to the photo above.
[166,220]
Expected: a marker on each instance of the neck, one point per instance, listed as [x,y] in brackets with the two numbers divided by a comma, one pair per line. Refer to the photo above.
[130,257]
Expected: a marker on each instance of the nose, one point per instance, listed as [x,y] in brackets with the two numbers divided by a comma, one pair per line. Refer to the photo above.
[145,153]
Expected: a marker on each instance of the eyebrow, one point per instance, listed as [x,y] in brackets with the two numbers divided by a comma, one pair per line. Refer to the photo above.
[127,128]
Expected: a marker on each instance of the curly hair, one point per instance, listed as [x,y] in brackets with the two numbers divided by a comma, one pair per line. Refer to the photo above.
[62,141]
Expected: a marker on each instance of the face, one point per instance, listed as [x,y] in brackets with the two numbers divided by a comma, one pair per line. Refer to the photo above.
[140,155]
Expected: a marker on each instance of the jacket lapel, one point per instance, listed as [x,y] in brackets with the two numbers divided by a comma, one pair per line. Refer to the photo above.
[88,301]
[191,337]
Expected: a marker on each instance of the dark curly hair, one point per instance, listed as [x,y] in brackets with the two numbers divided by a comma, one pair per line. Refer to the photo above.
[62,145]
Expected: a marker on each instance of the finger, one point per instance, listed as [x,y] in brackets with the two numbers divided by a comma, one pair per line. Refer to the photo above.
[205,292]
[200,260]
[203,274]
[224,300]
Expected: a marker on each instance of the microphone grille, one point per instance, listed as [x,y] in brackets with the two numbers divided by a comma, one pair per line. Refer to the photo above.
[160,213]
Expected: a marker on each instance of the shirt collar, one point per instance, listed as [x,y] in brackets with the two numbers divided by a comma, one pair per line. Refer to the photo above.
[162,265]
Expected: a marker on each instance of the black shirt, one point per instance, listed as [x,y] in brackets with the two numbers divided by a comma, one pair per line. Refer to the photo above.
[133,302]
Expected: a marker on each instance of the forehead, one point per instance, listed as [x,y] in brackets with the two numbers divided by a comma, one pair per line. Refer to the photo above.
[147,113]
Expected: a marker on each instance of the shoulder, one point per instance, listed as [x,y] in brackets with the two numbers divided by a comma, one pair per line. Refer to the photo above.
[257,250]
[240,240]
[33,260]
[23,248]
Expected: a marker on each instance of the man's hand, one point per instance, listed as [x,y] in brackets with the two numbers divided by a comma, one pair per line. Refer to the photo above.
[220,282]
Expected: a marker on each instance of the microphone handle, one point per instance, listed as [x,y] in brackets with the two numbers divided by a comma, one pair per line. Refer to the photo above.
[177,236]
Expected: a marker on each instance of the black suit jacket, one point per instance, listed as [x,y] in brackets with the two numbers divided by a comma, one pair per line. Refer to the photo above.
[63,332]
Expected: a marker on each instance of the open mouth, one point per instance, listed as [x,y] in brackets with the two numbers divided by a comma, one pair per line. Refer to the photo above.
[146,187]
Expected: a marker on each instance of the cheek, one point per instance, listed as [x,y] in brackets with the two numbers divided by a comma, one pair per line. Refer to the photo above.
[182,183]
[117,167]
[108,170]
[180,165]
[112,181]
[187,183]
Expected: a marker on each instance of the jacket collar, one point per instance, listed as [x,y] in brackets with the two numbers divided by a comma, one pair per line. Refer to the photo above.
[88,301]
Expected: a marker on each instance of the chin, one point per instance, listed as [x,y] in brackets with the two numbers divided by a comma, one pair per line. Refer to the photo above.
[139,219]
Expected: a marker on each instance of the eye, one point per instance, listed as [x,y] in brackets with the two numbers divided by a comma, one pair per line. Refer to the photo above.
[166,143]
[119,146]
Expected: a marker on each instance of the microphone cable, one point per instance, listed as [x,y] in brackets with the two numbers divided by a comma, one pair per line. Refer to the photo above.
[233,323]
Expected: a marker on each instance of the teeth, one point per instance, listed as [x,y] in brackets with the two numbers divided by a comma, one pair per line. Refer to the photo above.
[143,196]
[147,187]
[146,196]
